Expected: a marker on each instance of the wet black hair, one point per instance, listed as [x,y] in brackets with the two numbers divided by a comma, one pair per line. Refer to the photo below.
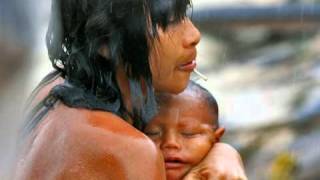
[203,93]
[77,31]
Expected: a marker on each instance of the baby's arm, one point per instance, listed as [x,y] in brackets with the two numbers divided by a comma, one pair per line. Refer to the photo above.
[222,162]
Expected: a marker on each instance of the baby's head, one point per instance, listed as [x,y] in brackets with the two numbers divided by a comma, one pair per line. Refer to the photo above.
[185,128]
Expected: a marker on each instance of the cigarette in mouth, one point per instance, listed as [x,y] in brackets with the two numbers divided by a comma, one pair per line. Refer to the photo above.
[200,75]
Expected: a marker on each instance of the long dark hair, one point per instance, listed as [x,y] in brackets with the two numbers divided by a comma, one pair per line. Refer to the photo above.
[77,31]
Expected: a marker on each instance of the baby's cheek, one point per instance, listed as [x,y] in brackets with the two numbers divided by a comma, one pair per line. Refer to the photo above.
[198,149]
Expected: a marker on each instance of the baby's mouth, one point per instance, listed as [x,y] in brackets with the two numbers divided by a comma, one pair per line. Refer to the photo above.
[174,163]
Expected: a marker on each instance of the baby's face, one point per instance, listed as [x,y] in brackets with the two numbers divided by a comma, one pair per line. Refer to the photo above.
[184,132]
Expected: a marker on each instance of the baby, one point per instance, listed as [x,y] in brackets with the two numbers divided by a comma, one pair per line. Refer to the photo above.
[185,129]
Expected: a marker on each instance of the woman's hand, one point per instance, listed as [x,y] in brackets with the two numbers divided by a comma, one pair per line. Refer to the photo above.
[223,162]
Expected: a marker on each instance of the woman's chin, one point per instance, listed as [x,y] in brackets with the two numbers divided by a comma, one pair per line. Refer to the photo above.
[176,87]
[177,90]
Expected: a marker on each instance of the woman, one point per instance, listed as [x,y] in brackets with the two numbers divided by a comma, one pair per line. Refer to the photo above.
[110,57]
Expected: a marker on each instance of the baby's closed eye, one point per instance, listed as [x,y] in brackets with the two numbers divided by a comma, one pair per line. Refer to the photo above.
[152,132]
[191,133]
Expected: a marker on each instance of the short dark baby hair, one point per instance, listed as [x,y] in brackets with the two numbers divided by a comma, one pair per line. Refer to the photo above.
[203,93]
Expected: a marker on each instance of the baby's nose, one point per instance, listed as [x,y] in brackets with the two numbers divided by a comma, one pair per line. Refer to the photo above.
[170,141]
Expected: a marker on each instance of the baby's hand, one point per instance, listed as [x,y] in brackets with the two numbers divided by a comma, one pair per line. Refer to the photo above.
[223,162]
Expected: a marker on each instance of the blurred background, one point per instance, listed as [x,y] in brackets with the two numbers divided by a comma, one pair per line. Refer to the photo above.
[262,58]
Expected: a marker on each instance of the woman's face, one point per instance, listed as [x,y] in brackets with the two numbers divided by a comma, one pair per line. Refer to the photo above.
[173,57]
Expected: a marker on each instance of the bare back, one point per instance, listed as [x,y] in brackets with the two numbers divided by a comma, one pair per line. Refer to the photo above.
[72,143]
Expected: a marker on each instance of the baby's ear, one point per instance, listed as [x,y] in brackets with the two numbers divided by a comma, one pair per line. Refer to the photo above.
[218,133]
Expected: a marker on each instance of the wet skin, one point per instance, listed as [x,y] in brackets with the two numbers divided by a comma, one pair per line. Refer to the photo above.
[71,143]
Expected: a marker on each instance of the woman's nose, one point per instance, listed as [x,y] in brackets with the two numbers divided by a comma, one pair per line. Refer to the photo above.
[170,141]
[191,34]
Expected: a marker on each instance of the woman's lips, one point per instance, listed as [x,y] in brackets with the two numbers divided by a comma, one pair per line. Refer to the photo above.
[190,66]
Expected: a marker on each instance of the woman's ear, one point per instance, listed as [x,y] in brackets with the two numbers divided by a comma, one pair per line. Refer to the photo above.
[218,133]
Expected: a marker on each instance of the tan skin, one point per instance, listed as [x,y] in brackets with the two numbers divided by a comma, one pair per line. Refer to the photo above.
[72,143]
[75,143]
[184,130]
[176,47]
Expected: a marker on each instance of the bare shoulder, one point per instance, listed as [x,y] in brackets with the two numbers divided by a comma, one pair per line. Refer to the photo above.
[131,151]
[77,143]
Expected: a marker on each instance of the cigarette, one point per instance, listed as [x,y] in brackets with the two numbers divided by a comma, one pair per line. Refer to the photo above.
[200,75]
